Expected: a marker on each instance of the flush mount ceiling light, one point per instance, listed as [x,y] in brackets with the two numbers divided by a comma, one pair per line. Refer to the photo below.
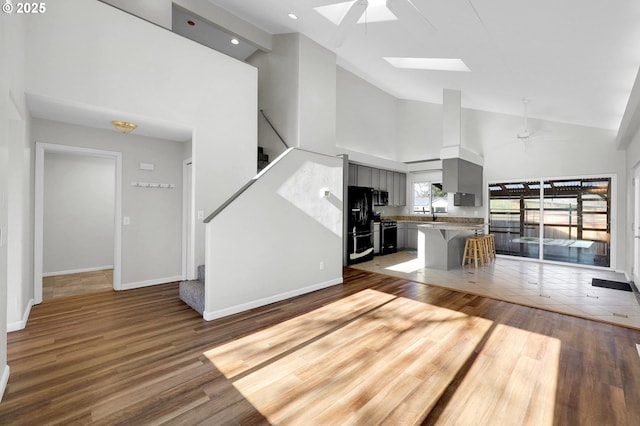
[433,64]
[124,127]
[293,16]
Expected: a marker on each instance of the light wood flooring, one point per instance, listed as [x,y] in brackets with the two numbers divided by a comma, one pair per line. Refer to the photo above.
[74,284]
[375,350]
[565,289]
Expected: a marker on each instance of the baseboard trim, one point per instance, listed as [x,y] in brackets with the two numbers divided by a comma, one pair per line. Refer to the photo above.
[147,283]
[211,315]
[4,381]
[20,325]
[76,271]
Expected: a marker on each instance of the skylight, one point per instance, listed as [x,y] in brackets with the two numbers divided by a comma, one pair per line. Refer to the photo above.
[376,11]
[335,12]
[435,64]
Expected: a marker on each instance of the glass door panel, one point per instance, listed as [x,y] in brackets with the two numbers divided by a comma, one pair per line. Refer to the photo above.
[514,218]
[576,221]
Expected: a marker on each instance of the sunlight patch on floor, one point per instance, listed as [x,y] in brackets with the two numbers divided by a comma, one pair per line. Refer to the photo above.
[369,358]
[406,267]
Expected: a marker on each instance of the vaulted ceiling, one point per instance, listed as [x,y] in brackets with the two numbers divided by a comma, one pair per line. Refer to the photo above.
[576,60]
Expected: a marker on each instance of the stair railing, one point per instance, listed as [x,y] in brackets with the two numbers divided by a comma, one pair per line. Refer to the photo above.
[273,128]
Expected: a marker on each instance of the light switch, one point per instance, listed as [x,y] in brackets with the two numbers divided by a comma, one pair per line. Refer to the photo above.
[126,220]
[200,214]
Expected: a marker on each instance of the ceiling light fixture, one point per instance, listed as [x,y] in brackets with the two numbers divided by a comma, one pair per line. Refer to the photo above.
[191,23]
[293,16]
[124,127]
[234,41]
[434,64]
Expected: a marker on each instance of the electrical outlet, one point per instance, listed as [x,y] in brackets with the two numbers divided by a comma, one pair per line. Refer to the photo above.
[321,265]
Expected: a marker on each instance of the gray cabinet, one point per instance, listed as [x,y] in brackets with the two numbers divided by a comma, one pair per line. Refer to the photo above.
[383,180]
[375,178]
[396,189]
[394,183]
[353,174]
[364,176]
[402,235]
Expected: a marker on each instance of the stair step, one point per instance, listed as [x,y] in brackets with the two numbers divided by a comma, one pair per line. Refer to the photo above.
[201,274]
[192,293]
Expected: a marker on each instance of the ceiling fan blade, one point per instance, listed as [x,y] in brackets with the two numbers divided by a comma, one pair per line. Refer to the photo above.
[411,17]
[350,19]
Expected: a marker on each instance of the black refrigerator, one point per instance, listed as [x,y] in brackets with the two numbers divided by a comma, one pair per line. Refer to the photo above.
[360,229]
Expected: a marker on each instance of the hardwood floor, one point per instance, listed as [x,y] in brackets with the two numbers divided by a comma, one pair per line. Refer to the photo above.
[74,284]
[375,350]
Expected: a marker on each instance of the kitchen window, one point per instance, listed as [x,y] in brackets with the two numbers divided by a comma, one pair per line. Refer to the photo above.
[429,198]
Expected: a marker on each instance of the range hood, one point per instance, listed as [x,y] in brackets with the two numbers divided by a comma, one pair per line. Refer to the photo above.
[461,168]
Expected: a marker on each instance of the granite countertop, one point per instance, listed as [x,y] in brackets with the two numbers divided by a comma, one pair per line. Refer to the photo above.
[441,219]
[453,226]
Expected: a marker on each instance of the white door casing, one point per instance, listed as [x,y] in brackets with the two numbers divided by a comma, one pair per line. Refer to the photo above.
[41,148]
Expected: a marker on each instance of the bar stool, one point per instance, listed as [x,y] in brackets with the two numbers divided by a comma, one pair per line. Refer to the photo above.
[486,255]
[492,246]
[473,251]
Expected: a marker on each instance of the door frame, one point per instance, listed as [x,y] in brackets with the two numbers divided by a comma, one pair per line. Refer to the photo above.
[188,228]
[41,149]
[636,225]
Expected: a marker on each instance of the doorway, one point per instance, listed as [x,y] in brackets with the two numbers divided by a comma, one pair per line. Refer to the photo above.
[40,245]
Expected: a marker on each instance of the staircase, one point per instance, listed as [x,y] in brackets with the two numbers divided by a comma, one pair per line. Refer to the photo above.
[192,292]
[263,159]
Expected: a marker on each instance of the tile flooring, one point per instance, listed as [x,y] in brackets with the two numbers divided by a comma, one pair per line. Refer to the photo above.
[557,288]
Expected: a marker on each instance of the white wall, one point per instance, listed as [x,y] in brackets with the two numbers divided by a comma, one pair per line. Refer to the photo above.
[366,118]
[278,92]
[293,247]
[632,156]
[156,11]
[75,55]
[15,218]
[317,97]
[78,221]
[152,243]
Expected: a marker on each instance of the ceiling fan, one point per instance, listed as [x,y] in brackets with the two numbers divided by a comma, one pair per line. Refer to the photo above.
[525,134]
[346,14]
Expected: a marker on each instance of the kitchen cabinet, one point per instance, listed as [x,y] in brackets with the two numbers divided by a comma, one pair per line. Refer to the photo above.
[403,189]
[364,176]
[353,174]
[412,236]
[395,183]
[375,178]
[396,189]
[402,235]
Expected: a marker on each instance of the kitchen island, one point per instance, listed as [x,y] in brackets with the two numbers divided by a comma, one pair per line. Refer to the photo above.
[441,244]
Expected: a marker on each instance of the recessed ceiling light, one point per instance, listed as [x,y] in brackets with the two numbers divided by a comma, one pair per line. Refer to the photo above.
[293,16]
[234,41]
[435,64]
[191,23]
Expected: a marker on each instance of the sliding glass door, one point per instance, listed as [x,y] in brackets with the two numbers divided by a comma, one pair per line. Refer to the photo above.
[564,220]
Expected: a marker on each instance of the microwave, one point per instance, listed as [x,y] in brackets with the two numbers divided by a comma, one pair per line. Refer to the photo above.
[380,198]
